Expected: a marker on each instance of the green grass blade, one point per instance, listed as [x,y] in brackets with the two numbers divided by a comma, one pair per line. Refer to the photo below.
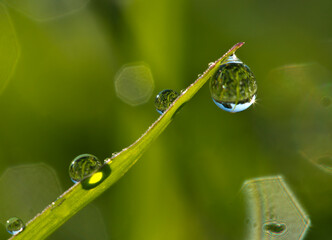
[82,193]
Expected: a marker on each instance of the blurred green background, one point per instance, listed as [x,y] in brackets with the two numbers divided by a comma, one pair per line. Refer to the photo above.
[61,101]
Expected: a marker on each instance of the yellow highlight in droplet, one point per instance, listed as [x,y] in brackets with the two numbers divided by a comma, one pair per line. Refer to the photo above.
[95,178]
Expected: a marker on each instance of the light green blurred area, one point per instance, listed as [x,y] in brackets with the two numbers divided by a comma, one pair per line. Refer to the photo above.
[61,102]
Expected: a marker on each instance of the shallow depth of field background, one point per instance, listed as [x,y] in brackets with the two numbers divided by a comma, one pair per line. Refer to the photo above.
[62,101]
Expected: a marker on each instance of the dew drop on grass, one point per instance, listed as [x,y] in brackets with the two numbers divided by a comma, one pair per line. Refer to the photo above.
[83,166]
[57,202]
[164,99]
[274,228]
[14,225]
[233,86]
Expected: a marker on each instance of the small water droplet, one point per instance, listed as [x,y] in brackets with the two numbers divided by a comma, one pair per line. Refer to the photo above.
[210,64]
[14,225]
[274,228]
[83,166]
[164,99]
[199,75]
[57,202]
[233,86]
[115,153]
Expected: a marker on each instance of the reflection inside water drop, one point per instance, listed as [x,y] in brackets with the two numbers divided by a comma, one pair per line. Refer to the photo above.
[235,107]
[274,228]
[83,166]
[164,99]
[233,86]
[14,225]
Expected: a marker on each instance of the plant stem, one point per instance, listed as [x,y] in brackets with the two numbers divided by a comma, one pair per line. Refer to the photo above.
[82,193]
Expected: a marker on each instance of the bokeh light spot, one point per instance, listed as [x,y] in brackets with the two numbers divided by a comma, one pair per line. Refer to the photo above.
[87,224]
[26,190]
[273,209]
[134,84]
[8,48]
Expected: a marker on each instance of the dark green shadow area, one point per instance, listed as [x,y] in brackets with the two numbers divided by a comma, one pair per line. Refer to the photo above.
[97,178]
[178,110]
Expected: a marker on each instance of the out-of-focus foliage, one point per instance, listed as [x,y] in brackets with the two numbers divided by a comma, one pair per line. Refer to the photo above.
[61,102]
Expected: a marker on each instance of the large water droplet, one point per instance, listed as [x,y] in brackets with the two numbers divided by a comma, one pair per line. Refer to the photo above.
[83,166]
[14,225]
[233,86]
[164,99]
[274,228]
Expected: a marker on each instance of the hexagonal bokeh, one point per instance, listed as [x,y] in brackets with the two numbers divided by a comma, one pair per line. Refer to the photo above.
[46,9]
[311,126]
[89,216]
[8,48]
[26,190]
[273,211]
[134,84]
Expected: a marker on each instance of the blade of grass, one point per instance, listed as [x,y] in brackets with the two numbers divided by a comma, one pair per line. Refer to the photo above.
[82,193]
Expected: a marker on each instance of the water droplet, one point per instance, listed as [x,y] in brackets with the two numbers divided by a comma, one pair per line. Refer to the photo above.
[274,228]
[164,99]
[57,202]
[14,225]
[199,75]
[83,166]
[114,154]
[233,86]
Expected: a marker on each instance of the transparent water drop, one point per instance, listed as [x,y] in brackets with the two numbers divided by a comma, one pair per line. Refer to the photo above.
[83,166]
[57,202]
[233,86]
[14,225]
[115,153]
[199,75]
[210,64]
[164,99]
[274,228]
